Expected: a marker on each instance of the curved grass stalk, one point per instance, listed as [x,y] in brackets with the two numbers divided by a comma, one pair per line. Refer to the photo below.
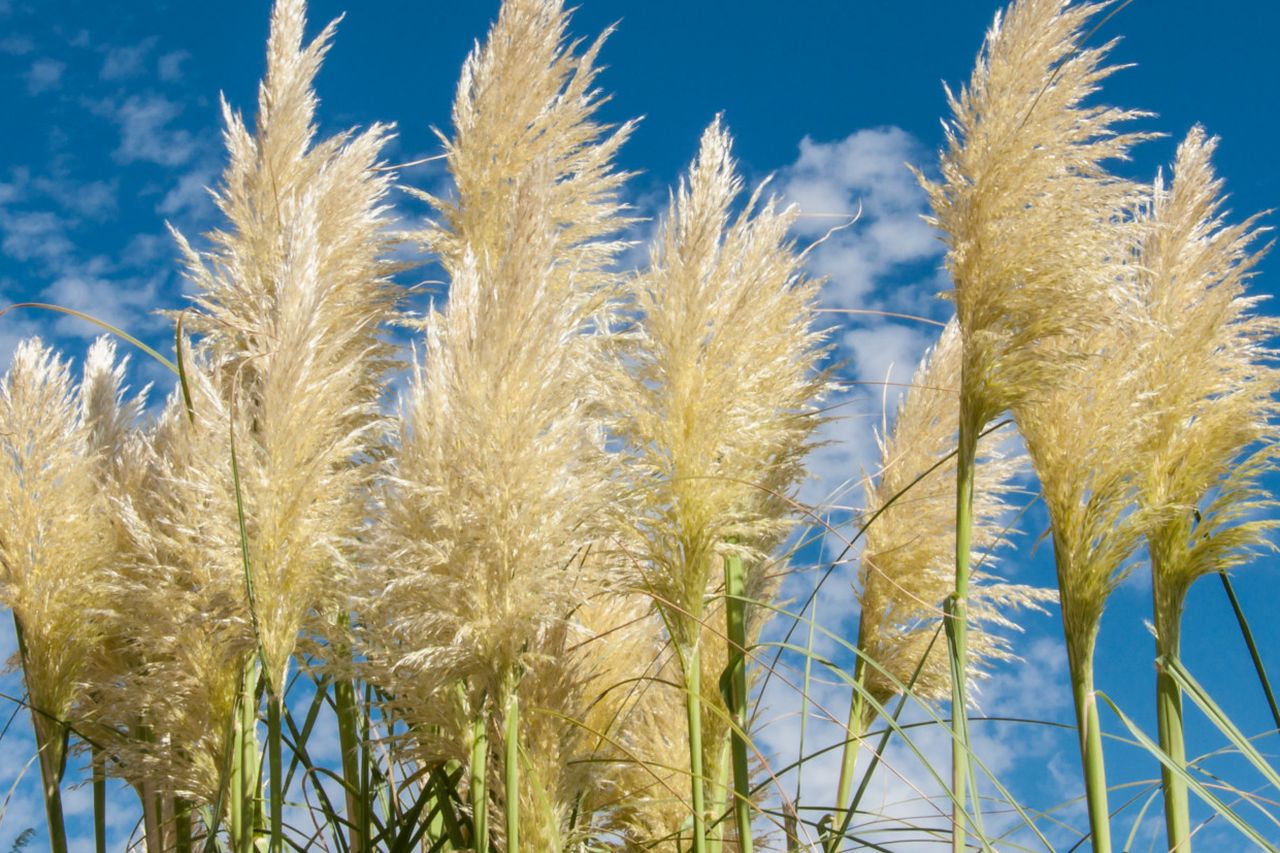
[1193,783]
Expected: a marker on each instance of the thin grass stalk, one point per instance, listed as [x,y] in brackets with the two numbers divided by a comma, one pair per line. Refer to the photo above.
[735,591]
[479,787]
[1169,717]
[719,798]
[274,755]
[99,800]
[957,635]
[855,729]
[697,782]
[51,744]
[1169,713]
[1247,633]
[244,768]
[512,774]
[344,694]
[1095,773]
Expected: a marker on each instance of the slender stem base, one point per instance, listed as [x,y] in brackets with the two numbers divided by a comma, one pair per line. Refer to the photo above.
[958,628]
[1095,773]
[99,801]
[275,705]
[479,783]
[854,729]
[693,704]
[512,761]
[735,590]
[51,743]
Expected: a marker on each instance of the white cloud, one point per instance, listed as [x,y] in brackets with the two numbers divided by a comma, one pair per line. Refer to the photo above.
[145,131]
[126,302]
[169,66]
[95,200]
[44,75]
[17,44]
[34,235]
[189,198]
[864,174]
[123,61]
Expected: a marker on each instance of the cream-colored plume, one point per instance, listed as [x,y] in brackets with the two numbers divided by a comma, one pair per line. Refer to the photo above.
[1212,380]
[54,539]
[498,490]
[721,402]
[908,562]
[292,299]
[1025,207]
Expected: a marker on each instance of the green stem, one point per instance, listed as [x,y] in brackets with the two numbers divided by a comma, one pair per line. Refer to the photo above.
[855,727]
[1095,773]
[479,782]
[693,704]
[244,768]
[735,592]
[51,744]
[99,801]
[718,796]
[344,694]
[512,760]
[958,635]
[275,703]
[1168,615]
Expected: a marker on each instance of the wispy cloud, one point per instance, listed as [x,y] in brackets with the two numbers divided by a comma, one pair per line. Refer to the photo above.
[169,66]
[121,62]
[17,44]
[44,75]
[146,134]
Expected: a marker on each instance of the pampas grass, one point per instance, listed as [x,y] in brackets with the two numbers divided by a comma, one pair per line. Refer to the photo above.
[532,598]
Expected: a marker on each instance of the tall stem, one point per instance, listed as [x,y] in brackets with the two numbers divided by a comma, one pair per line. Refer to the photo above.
[275,703]
[479,782]
[958,635]
[512,761]
[245,795]
[51,744]
[693,704]
[1168,615]
[344,694]
[1095,773]
[99,801]
[735,591]
[855,728]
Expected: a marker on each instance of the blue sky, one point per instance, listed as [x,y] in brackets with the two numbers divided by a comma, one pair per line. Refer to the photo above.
[111,128]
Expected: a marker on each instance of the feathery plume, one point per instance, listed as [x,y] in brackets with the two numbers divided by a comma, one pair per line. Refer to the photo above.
[1035,229]
[499,485]
[1211,381]
[54,534]
[1211,376]
[292,300]
[907,563]
[1025,205]
[717,412]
